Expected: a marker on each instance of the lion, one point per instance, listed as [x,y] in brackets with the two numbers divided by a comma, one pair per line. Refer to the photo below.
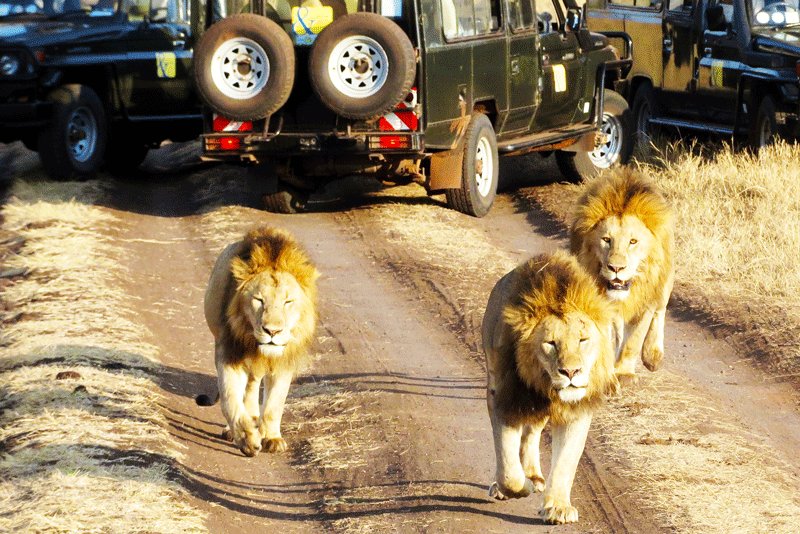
[622,233]
[549,356]
[261,307]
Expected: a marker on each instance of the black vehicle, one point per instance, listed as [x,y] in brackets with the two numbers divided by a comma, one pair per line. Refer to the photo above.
[87,81]
[431,91]
[727,67]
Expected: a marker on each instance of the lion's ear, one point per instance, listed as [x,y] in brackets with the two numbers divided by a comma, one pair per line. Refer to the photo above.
[240,270]
[520,320]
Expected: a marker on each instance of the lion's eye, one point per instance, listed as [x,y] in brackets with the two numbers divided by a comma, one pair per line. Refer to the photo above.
[288,302]
[606,239]
[257,301]
[584,340]
[634,241]
[549,347]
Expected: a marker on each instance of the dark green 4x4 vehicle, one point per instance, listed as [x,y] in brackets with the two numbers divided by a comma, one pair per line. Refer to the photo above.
[431,91]
[83,81]
[727,67]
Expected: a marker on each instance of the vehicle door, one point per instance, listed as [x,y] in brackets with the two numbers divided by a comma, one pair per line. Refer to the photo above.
[523,66]
[562,69]
[158,56]
[679,47]
[720,66]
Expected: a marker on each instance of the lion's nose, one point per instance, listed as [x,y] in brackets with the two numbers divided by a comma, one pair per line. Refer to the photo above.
[569,373]
[615,268]
[272,330]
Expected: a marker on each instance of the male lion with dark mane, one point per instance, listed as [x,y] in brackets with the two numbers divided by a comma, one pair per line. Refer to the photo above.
[261,307]
[622,233]
[549,356]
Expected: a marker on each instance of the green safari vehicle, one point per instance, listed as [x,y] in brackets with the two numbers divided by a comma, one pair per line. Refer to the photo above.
[431,91]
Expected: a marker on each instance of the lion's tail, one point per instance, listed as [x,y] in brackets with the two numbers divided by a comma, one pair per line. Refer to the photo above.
[207,400]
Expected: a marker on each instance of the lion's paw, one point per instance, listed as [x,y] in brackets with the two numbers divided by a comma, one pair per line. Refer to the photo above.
[558,514]
[538,483]
[274,445]
[651,358]
[246,438]
[627,380]
[226,434]
[503,494]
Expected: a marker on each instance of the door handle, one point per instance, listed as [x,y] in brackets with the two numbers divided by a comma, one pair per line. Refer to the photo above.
[668,44]
[179,43]
[514,66]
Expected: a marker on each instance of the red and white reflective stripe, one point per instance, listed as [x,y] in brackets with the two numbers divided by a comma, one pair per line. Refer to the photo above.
[221,124]
[410,101]
[398,121]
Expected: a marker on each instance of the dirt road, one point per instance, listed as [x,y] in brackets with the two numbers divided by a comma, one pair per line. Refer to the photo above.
[388,430]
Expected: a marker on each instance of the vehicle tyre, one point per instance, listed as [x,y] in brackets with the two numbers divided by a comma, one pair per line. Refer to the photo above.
[124,157]
[617,126]
[479,171]
[74,142]
[362,65]
[286,200]
[644,107]
[244,67]
[764,129]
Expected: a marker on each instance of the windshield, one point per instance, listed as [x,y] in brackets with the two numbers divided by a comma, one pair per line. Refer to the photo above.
[775,13]
[57,8]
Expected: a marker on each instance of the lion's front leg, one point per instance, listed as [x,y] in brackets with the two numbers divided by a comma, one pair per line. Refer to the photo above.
[233,382]
[625,367]
[568,443]
[510,479]
[653,349]
[269,426]
[529,453]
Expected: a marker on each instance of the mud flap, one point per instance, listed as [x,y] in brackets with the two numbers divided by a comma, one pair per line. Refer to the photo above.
[446,168]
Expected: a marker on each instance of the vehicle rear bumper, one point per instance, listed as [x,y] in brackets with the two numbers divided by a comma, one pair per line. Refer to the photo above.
[254,146]
[21,115]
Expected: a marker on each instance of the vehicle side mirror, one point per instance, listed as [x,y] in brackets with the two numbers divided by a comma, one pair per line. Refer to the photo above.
[574,18]
[715,18]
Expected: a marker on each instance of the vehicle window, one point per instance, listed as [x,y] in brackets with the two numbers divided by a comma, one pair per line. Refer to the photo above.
[684,6]
[521,14]
[465,18]
[547,16]
[92,8]
[636,3]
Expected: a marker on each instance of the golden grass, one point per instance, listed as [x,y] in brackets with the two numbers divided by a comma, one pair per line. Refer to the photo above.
[697,466]
[90,453]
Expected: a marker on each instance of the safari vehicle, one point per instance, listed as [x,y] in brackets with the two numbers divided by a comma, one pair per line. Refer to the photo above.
[407,90]
[729,67]
[86,80]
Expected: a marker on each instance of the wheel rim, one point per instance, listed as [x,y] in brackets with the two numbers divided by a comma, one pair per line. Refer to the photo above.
[484,167]
[358,66]
[82,134]
[607,154]
[240,68]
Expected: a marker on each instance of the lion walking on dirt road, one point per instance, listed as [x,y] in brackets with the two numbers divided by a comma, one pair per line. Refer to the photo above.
[261,307]
[549,356]
[622,233]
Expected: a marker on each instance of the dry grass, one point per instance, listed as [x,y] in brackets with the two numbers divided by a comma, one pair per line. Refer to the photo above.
[88,453]
[698,467]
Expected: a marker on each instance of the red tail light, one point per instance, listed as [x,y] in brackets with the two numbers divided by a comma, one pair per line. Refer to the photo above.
[229,143]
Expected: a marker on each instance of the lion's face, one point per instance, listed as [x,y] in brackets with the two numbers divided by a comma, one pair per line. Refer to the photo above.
[273,303]
[620,245]
[566,349]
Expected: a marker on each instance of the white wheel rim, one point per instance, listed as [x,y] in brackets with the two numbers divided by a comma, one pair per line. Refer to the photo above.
[607,154]
[358,66]
[484,167]
[240,68]
[82,134]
